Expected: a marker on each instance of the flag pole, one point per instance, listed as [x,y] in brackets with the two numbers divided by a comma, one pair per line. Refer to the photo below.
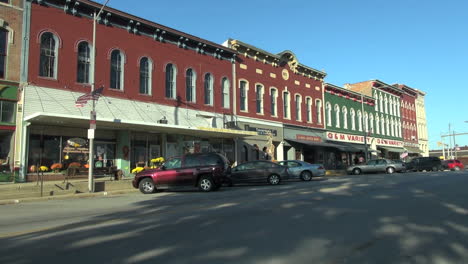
[92,121]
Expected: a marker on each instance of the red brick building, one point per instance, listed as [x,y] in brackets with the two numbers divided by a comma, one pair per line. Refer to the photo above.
[408,119]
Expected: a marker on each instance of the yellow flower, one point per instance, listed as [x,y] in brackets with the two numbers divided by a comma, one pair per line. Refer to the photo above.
[158,160]
[43,168]
[137,169]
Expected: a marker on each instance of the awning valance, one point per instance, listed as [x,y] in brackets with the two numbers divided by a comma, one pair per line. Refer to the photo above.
[392,149]
[314,144]
[413,150]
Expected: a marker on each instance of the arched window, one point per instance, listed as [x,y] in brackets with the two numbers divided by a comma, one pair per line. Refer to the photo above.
[377,124]
[273,104]
[243,88]
[376,98]
[84,62]
[386,104]
[171,74]
[353,119]
[309,109]
[48,57]
[3,52]
[371,121]
[225,88]
[259,98]
[387,126]
[337,115]
[117,70]
[382,122]
[286,105]
[345,117]
[359,117]
[391,105]
[145,76]
[298,107]
[328,109]
[366,122]
[318,105]
[190,85]
[208,96]
[381,103]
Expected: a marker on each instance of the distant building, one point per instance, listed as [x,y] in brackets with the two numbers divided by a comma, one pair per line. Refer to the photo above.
[461,154]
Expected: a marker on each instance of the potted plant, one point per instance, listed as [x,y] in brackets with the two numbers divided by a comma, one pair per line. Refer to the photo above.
[157,162]
[56,167]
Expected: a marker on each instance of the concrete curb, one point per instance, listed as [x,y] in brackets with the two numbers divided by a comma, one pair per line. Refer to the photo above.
[67,196]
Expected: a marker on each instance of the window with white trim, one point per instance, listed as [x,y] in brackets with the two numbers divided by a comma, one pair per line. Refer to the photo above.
[145,75]
[190,85]
[225,88]
[117,70]
[359,117]
[48,57]
[298,107]
[337,116]
[208,96]
[318,106]
[353,119]
[259,98]
[243,95]
[371,122]
[382,122]
[286,105]
[344,110]
[171,74]
[7,112]
[309,109]
[84,62]
[273,102]
[329,116]
[377,124]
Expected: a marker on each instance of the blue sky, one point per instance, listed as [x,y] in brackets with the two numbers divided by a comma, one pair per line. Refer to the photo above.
[423,44]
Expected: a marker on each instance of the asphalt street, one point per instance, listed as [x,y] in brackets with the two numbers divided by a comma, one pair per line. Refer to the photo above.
[397,218]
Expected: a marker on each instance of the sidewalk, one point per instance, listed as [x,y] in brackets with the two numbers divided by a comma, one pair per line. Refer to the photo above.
[11,193]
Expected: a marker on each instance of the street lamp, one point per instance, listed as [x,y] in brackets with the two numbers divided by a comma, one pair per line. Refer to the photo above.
[92,121]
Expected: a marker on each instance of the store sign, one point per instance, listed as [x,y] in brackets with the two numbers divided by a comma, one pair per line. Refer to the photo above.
[334,136]
[262,131]
[308,138]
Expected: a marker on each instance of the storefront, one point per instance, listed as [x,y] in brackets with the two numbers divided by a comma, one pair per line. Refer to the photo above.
[310,145]
[264,145]
[8,102]
[390,149]
[352,148]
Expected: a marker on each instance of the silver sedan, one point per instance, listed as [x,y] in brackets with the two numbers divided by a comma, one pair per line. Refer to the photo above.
[303,170]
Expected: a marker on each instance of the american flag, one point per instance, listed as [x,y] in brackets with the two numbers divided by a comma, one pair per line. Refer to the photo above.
[94,95]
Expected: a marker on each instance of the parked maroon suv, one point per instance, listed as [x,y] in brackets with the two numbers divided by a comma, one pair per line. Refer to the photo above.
[203,170]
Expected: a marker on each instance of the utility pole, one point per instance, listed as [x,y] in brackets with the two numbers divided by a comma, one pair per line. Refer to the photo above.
[92,121]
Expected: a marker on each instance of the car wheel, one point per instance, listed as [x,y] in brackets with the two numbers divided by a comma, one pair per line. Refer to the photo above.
[274,179]
[390,170]
[147,186]
[456,168]
[306,176]
[205,184]
[357,171]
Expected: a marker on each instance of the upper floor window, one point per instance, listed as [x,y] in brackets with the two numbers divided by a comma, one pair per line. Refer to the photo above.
[328,109]
[225,88]
[84,62]
[318,106]
[353,119]
[273,105]
[381,102]
[298,107]
[48,57]
[371,123]
[3,52]
[117,62]
[190,85]
[376,98]
[171,73]
[377,124]
[359,117]
[345,117]
[145,76]
[208,89]
[243,95]
[286,104]
[309,109]
[259,98]
[7,112]
[386,104]
[382,123]
[337,116]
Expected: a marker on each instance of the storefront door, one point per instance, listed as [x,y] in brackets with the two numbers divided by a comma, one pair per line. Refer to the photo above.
[104,154]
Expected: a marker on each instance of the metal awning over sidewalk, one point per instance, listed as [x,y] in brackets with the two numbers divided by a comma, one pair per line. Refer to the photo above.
[392,149]
[413,150]
[315,144]
[73,121]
